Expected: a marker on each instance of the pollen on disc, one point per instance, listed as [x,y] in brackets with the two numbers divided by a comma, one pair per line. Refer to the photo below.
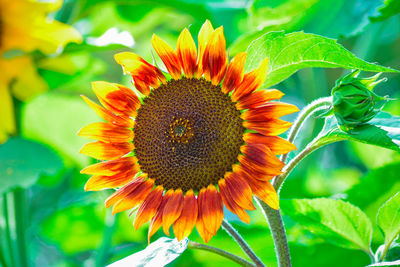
[187,134]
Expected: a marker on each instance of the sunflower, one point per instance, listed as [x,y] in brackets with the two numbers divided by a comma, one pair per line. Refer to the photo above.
[24,26]
[196,138]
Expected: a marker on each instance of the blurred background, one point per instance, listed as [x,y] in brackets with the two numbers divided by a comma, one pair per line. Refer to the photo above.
[46,217]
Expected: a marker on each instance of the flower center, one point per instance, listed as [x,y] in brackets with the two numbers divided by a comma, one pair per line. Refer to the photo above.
[187,134]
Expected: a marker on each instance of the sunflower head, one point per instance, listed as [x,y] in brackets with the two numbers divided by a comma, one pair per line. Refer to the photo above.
[204,138]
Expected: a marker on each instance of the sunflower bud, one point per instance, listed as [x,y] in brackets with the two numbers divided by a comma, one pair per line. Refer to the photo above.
[354,102]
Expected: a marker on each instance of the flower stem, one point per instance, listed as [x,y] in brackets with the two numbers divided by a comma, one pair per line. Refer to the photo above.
[242,243]
[274,217]
[278,232]
[223,253]
[307,111]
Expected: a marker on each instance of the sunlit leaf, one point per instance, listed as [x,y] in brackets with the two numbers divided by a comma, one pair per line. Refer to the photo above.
[288,53]
[158,253]
[23,161]
[336,221]
[392,263]
[54,119]
[383,131]
[330,18]
[388,218]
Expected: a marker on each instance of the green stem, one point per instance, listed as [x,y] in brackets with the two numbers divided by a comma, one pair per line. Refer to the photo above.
[242,243]
[10,247]
[278,232]
[306,112]
[314,145]
[20,225]
[223,253]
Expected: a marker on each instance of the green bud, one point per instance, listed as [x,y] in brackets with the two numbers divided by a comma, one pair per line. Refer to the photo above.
[354,102]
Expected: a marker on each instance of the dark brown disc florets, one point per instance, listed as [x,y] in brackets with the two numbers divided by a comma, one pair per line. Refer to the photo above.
[187,134]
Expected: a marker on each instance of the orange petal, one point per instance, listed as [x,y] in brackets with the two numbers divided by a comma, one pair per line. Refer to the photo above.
[117,98]
[108,115]
[251,81]
[106,132]
[101,182]
[140,68]
[276,144]
[111,167]
[269,111]
[105,151]
[215,58]
[234,74]
[258,99]
[135,197]
[269,127]
[239,190]
[200,224]
[172,210]
[124,191]
[210,204]
[187,53]
[204,34]
[156,221]
[264,173]
[168,56]
[262,189]
[183,226]
[261,155]
[149,207]
[231,204]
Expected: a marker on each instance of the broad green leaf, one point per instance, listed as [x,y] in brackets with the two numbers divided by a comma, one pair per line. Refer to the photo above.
[388,218]
[158,253]
[54,119]
[325,17]
[383,130]
[23,161]
[288,53]
[336,221]
[390,8]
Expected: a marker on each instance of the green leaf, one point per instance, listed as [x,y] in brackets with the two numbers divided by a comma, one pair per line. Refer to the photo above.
[388,218]
[390,8]
[336,221]
[54,119]
[288,53]
[23,161]
[383,130]
[158,253]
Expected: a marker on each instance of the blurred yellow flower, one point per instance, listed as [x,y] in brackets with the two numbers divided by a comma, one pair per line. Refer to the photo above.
[25,26]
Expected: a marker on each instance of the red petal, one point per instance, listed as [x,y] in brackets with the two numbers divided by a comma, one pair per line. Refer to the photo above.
[276,144]
[135,197]
[106,132]
[210,204]
[105,151]
[203,37]
[259,98]
[183,226]
[269,111]
[231,204]
[269,127]
[172,210]
[215,58]
[168,56]
[101,182]
[239,190]
[251,81]
[108,115]
[235,72]
[187,53]
[149,207]
[124,191]
[112,167]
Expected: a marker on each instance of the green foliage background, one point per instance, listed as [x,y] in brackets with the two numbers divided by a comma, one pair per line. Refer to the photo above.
[69,227]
